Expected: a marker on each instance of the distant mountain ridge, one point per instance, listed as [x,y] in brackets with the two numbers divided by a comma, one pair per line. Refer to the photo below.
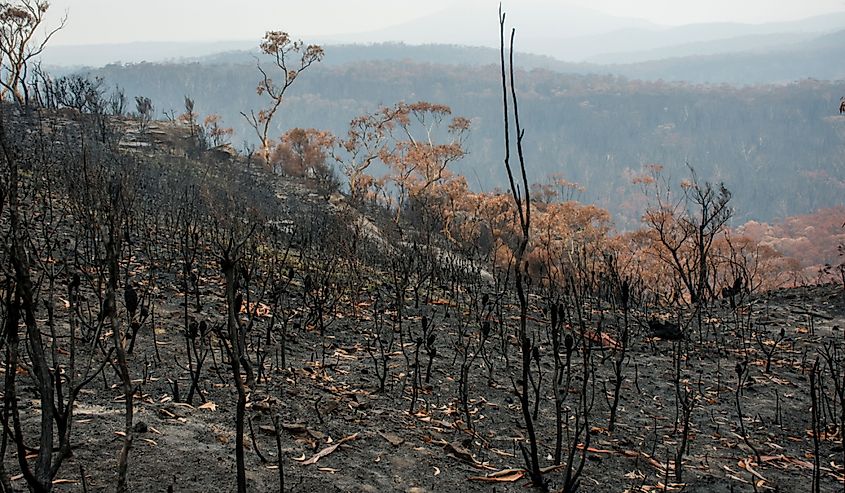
[338,55]
[706,39]
[749,43]
[789,58]
[581,35]
[816,58]
[540,25]
[566,33]
[806,56]
[98,55]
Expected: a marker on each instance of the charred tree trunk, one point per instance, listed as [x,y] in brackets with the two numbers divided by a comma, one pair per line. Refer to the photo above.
[122,367]
[233,325]
[522,201]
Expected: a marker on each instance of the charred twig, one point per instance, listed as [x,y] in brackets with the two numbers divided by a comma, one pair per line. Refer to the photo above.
[255,443]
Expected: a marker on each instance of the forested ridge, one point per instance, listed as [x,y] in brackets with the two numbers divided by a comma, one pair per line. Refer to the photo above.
[781,145]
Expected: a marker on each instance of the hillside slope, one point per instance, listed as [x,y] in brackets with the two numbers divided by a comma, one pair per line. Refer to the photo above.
[595,130]
[260,331]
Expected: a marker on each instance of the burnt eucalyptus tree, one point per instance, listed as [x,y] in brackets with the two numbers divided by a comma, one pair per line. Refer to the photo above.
[102,187]
[22,303]
[522,201]
[239,208]
[43,259]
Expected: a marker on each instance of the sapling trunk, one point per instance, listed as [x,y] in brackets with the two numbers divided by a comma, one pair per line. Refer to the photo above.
[816,426]
[228,266]
[572,472]
[741,373]
[619,360]
[382,359]
[560,397]
[687,404]
[277,428]
[537,384]
[122,365]
[415,380]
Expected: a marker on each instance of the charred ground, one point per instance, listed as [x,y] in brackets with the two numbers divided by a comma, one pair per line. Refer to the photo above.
[367,351]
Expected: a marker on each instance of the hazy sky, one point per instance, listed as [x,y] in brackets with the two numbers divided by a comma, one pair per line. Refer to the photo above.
[115,21]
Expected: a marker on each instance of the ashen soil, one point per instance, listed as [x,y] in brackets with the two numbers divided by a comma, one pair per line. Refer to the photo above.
[191,448]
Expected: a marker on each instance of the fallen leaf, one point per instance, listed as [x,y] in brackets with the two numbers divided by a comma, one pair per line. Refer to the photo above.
[295,427]
[459,451]
[267,430]
[394,440]
[167,414]
[503,476]
[746,464]
[209,405]
[328,450]
[501,452]
[594,450]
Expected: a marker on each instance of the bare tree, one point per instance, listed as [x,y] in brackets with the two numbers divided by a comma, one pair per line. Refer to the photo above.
[113,248]
[523,209]
[230,247]
[33,263]
[145,109]
[686,227]
[20,43]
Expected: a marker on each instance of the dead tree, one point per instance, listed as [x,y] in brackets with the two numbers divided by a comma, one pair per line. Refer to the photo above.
[523,209]
[230,247]
[113,248]
[19,44]
[33,264]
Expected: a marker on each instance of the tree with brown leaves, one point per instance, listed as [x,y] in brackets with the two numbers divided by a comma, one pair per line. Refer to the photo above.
[282,49]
